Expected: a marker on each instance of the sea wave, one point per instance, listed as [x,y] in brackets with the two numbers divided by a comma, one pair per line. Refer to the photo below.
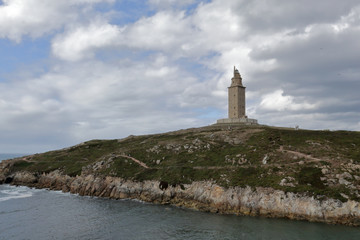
[10,192]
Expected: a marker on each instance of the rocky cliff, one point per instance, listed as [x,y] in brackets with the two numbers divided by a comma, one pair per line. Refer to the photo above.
[251,170]
[204,196]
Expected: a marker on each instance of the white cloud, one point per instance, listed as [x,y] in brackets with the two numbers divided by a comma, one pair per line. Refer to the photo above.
[165,31]
[211,28]
[277,101]
[95,100]
[80,42]
[38,17]
[156,73]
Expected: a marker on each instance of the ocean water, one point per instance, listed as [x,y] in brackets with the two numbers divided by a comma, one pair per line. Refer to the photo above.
[41,214]
[27,213]
[4,156]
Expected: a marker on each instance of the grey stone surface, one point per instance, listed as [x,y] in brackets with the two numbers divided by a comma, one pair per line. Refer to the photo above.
[236,108]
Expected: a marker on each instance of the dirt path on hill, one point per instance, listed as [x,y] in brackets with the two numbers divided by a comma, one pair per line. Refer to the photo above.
[214,167]
[135,160]
[26,158]
[300,155]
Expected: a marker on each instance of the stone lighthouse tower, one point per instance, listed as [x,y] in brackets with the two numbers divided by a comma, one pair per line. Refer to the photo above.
[236,98]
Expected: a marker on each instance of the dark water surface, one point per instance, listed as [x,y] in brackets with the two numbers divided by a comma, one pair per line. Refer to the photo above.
[41,214]
[4,156]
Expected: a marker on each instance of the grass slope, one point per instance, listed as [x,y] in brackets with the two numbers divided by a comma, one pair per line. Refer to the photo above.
[322,163]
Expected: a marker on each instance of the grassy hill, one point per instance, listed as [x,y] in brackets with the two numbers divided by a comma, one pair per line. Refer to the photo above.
[322,163]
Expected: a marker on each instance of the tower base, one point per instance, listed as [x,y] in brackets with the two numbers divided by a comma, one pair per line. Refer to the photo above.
[235,121]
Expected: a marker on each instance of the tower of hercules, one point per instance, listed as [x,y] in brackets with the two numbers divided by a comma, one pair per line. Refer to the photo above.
[237,107]
[236,97]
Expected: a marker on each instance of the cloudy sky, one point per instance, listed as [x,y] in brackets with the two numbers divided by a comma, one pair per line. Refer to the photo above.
[97,69]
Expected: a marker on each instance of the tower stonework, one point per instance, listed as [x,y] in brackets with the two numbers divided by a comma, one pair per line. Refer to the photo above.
[236,101]
[236,97]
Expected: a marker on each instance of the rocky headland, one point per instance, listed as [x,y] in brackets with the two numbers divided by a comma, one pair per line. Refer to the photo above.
[257,171]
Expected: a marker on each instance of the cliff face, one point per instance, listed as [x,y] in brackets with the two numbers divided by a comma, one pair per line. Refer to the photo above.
[204,196]
[251,170]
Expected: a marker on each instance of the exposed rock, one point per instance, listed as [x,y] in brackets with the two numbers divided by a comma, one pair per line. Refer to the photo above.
[344,175]
[264,161]
[344,195]
[197,142]
[205,196]
[344,182]
[287,181]
[325,170]
[20,178]
[237,141]
[155,149]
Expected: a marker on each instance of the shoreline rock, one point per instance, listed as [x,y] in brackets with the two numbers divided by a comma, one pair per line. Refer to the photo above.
[203,196]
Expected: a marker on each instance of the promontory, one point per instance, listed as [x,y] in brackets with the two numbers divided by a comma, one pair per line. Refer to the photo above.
[247,170]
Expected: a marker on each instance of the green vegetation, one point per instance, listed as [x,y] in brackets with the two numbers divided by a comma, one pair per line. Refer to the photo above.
[71,160]
[311,175]
[229,157]
[21,165]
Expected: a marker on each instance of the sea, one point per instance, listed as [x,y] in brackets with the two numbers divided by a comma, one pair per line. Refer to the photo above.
[28,213]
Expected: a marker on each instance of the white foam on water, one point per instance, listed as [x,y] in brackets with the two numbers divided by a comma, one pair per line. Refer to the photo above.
[59,192]
[15,193]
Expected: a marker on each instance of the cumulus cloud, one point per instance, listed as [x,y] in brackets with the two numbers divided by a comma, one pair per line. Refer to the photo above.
[37,17]
[90,100]
[275,15]
[165,31]
[81,42]
[171,67]
[212,28]
[277,101]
